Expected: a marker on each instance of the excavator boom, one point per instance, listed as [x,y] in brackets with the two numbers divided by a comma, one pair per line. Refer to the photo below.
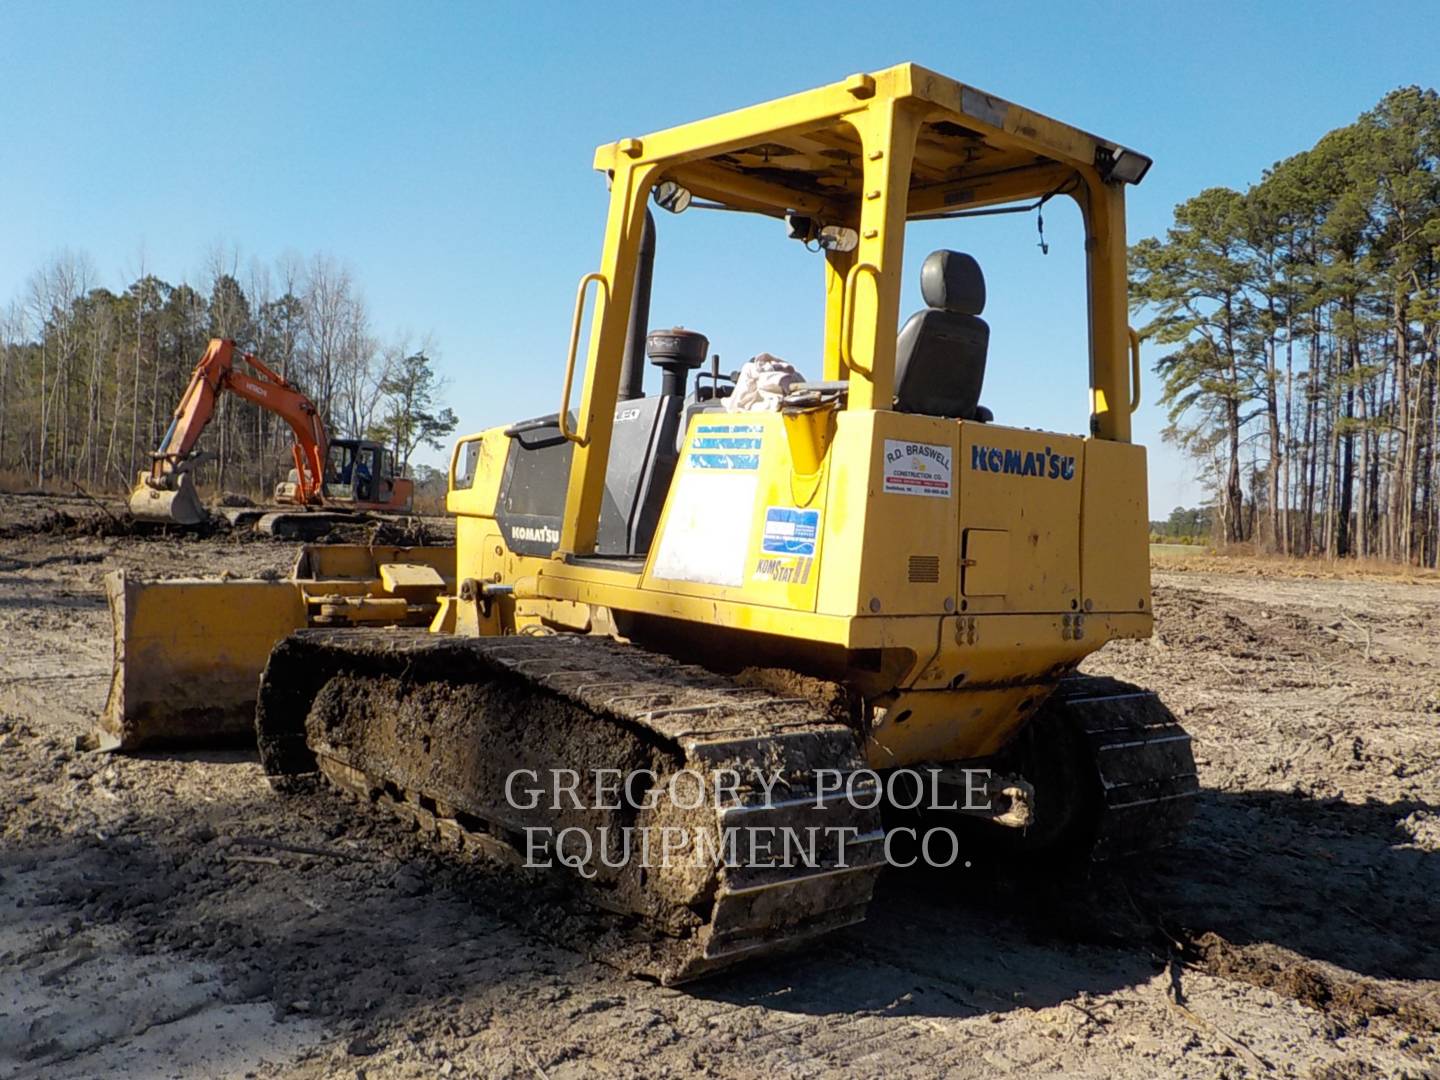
[166,491]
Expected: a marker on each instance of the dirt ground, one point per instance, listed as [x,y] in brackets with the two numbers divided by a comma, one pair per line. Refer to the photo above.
[172,916]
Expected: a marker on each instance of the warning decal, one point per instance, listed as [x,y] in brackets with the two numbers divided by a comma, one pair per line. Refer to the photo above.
[916,469]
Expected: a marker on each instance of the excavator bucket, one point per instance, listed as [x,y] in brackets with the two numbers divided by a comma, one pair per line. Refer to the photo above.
[188,657]
[179,506]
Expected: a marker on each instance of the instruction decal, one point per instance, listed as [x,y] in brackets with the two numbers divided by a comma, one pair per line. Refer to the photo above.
[727,447]
[790,532]
[913,468]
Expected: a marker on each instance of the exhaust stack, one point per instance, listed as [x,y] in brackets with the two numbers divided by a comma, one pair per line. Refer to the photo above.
[632,371]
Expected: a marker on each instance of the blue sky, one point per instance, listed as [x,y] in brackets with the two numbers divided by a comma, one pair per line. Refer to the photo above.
[443,152]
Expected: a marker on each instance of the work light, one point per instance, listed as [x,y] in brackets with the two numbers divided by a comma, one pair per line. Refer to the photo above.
[1126,166]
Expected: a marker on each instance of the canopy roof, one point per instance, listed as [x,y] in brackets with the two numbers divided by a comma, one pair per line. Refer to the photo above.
[804,152]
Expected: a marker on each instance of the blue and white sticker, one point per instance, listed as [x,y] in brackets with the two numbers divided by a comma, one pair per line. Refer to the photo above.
[789,531]
[726,446]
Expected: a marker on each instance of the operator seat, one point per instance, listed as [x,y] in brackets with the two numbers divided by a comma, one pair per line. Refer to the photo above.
[940,354]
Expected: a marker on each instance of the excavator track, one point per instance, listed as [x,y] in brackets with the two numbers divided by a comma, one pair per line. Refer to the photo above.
[762,855]
[301,525]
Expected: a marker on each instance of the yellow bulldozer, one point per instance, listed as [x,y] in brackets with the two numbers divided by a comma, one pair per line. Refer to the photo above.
[787,601]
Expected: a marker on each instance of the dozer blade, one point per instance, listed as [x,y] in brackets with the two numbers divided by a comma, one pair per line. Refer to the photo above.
[188,657]
[188,654]
[180,506]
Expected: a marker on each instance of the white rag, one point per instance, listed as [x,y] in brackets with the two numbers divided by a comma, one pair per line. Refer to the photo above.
[762,384]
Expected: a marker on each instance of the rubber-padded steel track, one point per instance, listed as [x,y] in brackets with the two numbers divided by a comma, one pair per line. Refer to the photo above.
[435,726]
[1139,756]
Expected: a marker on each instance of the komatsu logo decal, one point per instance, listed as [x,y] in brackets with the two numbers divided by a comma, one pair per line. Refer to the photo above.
[542,534]
[1044,463]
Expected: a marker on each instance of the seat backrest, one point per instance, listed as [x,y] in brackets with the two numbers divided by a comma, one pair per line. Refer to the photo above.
[940,354]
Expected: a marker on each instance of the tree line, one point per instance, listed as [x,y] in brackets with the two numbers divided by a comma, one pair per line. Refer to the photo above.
[1188,525]
[1302,319]
[89,377]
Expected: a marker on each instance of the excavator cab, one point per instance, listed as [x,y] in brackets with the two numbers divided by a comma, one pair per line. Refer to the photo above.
[359,473]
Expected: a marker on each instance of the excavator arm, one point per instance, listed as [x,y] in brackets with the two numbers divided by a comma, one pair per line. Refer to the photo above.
[166,491]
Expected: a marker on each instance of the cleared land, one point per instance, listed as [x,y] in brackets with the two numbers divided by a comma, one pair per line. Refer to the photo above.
[171,915]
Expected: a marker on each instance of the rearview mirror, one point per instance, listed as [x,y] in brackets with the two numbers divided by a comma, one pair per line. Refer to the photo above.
[838,238]
[672,197]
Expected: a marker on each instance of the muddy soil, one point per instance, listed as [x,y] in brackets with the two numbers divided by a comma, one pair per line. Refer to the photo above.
[171,915]
[83,516]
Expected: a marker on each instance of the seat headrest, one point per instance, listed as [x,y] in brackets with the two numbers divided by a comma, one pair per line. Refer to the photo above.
[952,281]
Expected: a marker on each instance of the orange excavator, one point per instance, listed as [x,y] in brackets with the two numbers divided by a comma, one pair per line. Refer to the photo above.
[348,475]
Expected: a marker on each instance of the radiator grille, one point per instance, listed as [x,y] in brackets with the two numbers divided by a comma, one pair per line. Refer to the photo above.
[924,569]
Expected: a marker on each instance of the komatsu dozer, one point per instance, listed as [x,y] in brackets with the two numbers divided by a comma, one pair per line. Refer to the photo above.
[785,600]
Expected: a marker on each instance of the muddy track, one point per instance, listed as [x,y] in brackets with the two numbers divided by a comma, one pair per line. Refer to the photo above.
[441,727]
